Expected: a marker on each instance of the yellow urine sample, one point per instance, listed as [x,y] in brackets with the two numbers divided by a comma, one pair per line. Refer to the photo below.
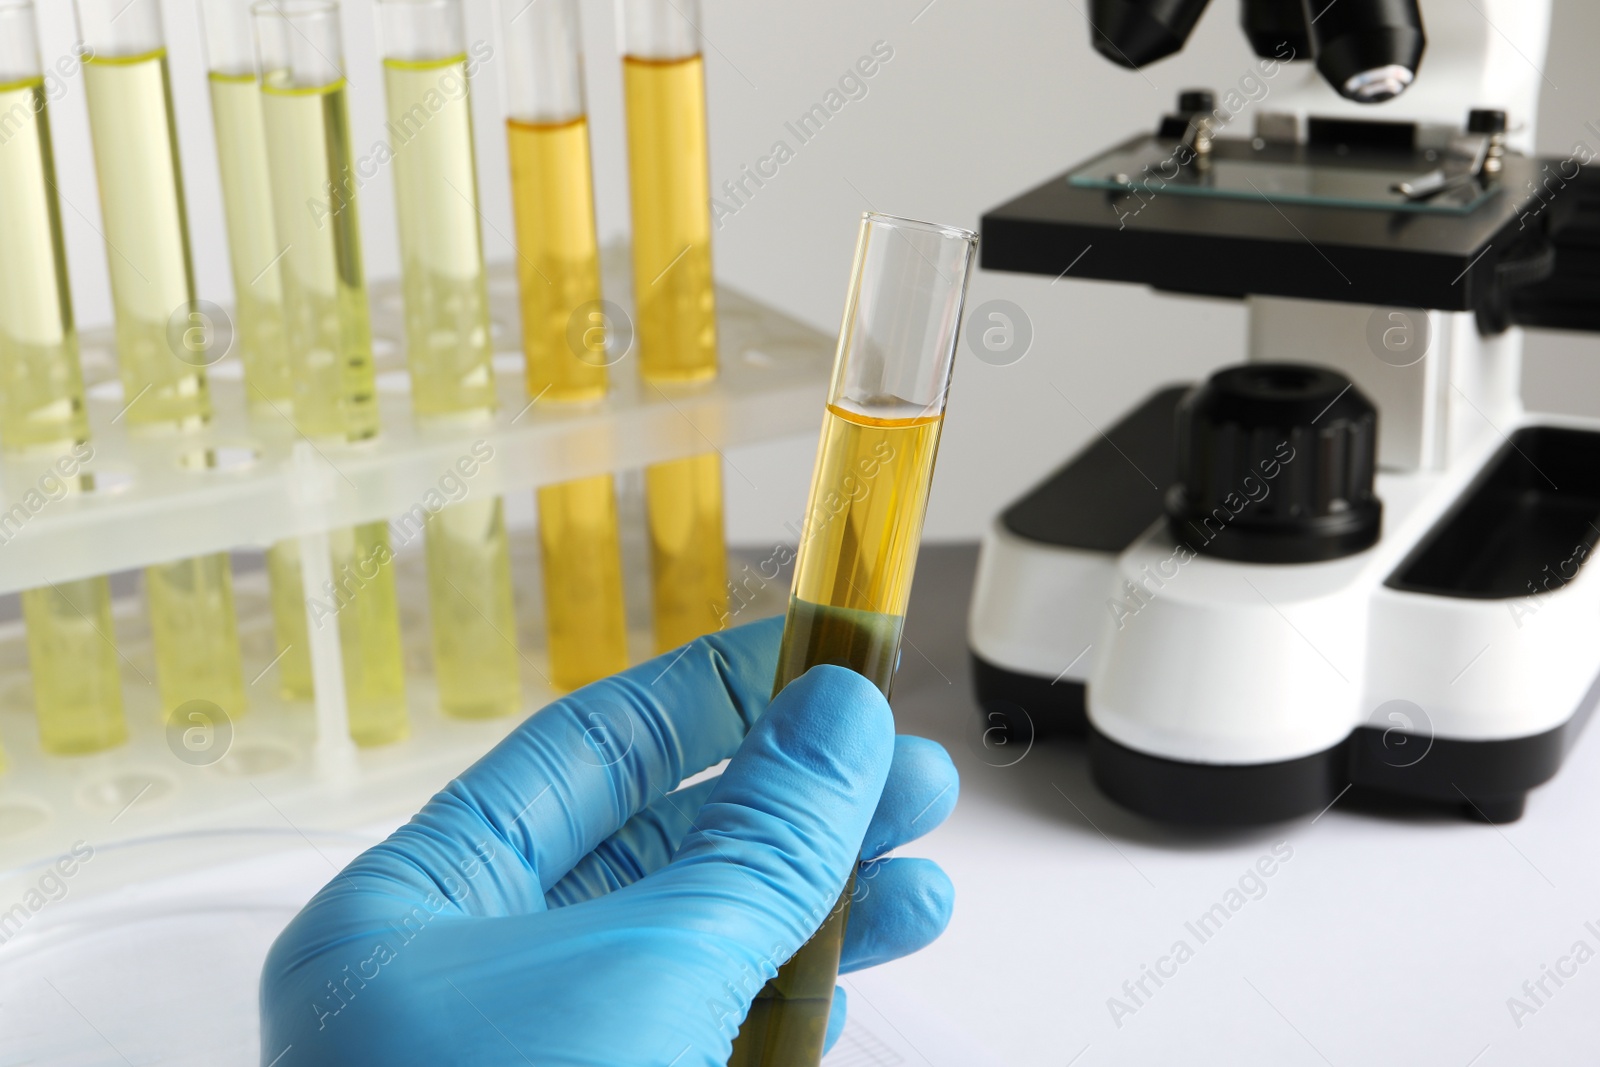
[582,562]
[445,290]
[669,186]
[77,686]
[367,611]
[675,303]
[442,276]
[688,558]
[559,276]
[147,236]
[558,259]
[252,242]
[41,386]
[195,634]
[324,290]
[864,521]
[475,654]
[858,552]
[287,593]
[253,256]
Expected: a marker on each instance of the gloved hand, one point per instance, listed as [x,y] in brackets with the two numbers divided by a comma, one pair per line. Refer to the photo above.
[555,905]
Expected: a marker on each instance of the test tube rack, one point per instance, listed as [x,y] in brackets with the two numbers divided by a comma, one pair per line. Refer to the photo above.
[244,483]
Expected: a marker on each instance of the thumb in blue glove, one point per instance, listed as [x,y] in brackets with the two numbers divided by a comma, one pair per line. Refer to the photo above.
[556,905]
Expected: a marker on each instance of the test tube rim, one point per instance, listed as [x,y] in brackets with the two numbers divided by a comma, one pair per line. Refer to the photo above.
[455,10]
[118,55]
[901,222]
[216,65]
[24,9]
[290,15]
[290,9]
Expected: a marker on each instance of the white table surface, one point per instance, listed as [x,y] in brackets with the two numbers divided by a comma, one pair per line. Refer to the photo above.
[1384,938]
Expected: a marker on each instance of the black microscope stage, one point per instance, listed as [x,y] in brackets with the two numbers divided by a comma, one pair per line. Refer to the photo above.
[1307,238]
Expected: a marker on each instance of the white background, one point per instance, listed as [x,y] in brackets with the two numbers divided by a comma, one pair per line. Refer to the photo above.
[981,101]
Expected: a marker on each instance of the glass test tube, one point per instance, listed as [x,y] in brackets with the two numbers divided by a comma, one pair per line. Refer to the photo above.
[41,386]
[299,52]
[862,528]
[670,191]
[313,183]
[76,681]
[247,203]
[258,293]
[563,327]
[445,288]
[141,204]
[192,622]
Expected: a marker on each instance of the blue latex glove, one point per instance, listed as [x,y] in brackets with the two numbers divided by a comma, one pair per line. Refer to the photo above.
[556,906]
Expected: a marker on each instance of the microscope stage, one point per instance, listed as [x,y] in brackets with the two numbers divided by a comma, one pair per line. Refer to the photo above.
[1309,175]
[1224,243]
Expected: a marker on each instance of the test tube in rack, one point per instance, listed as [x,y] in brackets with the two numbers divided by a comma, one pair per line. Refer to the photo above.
[253,249]
[675,303]
[71,655]
[146,232]
[444,287]
[253,255]
[305,114]
[564,327]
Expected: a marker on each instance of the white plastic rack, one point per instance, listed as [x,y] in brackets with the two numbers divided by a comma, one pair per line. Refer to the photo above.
[242,484]
[251,483]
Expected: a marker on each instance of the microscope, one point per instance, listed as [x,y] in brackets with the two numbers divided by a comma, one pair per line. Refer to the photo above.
[1352,561]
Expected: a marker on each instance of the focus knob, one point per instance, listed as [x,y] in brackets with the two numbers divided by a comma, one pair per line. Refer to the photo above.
[1275,465]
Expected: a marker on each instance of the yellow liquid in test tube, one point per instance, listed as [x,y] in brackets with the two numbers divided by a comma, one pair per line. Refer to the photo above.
[448,350]
[41,386]
[71,652]
[286,591]
[252,242]
[474,628]
[77,690]
[669,185]
[559,273]
[852,583]
[253,254]
[442,274]
[194,633]
[147,235]
[582,557]
[334,384]
[368,617]
[152,280]
[558,256]
[325,295]
[861,536]
[688,555]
